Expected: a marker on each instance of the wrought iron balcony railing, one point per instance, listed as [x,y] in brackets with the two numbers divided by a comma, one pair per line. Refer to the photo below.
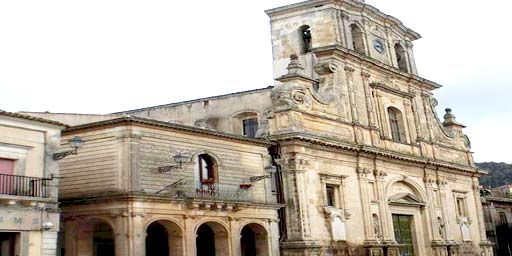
[213,191]
[16,185]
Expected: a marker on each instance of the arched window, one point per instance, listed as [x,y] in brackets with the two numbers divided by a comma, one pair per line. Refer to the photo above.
[305,36]
[396,124]
[400,58]
[206,168]
[357,39]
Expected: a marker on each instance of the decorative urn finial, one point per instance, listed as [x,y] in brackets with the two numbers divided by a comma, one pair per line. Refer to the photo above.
[449,119]
[294,67]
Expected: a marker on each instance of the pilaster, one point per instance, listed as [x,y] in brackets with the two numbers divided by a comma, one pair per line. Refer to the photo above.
[430,183]
[294,167]
[362,174]
[349,74]
[383,208]
[444,209]
[479,210]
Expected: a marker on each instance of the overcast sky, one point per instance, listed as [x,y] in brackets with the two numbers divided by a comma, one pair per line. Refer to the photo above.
[102,56]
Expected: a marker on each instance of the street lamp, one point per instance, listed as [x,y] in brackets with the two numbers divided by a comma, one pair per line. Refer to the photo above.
[269,169]
[179,159]
[75,143]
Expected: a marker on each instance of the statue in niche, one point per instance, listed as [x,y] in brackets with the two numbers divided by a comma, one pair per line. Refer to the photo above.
[376,226]
[440,226]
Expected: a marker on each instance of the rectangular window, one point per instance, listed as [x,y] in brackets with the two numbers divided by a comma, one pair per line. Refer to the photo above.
[273,182]
[6,166]
[461,207]
[503,219]
[395,128]
[250,127]
[331,195]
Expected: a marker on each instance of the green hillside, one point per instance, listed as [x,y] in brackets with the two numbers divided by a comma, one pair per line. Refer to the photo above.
[499,174]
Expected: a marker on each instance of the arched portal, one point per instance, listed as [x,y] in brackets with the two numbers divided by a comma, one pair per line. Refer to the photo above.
[164,238]
[212,240]
[95,237]
[407,217]
[103,240]
[254,240]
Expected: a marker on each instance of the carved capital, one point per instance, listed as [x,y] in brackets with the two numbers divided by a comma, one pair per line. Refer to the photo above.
[365,75]
[295,163]
[349,70]
[430,180]
[363,172]
[325,68]
[442,183]
[379,174]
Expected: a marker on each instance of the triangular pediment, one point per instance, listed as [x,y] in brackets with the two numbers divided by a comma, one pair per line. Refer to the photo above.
[407,199]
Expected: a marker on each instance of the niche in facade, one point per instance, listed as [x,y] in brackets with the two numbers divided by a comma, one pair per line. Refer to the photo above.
[400,58]
[305,38]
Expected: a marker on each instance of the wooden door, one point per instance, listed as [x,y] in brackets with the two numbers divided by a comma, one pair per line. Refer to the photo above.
[402,224]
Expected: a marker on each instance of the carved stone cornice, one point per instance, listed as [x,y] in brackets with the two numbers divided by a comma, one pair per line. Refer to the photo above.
[386,88]
[343,53]
[329,142]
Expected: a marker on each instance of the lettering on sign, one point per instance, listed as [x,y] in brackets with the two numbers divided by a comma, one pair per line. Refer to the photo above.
[17,220]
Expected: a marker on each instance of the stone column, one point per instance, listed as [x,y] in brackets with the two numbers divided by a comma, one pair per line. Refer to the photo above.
[137,234]
[121,235]
[235,228]
[365,204]
[274,237]
[189,235]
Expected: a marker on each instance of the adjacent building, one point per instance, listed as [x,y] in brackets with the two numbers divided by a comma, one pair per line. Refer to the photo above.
[497,205]
[345,155]
[146,187]
[29,214]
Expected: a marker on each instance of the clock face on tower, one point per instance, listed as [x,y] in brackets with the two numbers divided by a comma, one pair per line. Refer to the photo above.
[378,45]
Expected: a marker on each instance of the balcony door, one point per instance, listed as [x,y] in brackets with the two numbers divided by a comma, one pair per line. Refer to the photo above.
[402,224]
[6,166]
[6,181]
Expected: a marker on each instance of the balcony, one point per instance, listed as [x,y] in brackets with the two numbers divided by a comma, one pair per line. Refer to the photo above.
[15,185]
[211,191]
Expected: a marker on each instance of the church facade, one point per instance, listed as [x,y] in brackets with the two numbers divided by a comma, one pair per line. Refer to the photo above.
[345,155]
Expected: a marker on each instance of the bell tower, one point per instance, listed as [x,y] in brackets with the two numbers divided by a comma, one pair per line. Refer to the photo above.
[309,27]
